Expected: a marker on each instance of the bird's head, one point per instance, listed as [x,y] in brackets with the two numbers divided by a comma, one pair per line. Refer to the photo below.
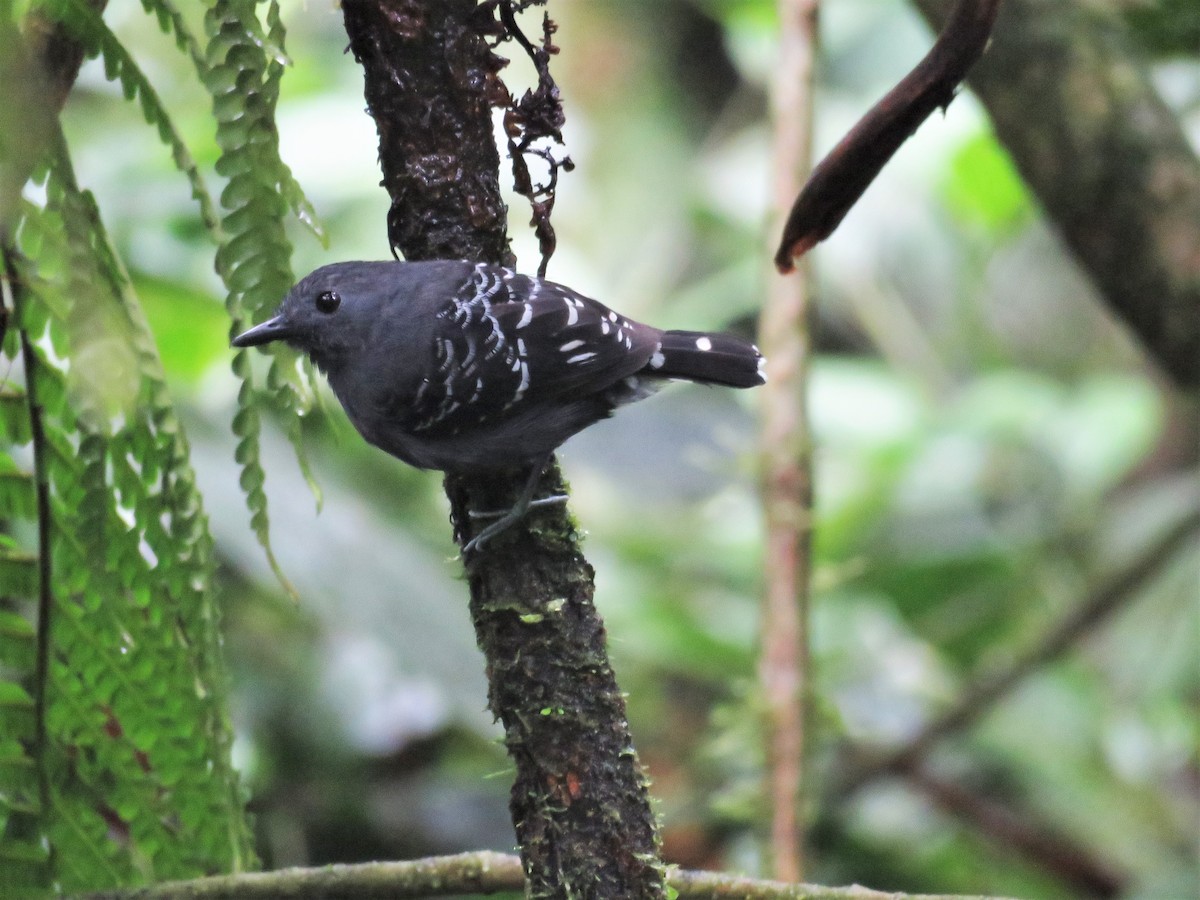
[330,313]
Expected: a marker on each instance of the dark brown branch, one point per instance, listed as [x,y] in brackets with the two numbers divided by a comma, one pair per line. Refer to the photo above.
[841,177]
[430,85]
[45,596]
[1108,160]
[466,873]
[982,695]
[579,803]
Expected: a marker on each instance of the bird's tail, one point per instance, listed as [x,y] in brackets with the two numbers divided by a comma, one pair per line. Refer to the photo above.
[709,359]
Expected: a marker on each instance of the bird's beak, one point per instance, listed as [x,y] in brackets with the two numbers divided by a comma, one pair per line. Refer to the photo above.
[276,329]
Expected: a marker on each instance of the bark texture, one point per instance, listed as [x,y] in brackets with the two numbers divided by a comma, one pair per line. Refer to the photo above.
[579,804]
[1106,157]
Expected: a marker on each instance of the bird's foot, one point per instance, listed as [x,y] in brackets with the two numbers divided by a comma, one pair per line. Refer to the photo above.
[532,504]
[505,519]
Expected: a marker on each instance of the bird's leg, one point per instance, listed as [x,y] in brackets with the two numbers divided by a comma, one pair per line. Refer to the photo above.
[505,519]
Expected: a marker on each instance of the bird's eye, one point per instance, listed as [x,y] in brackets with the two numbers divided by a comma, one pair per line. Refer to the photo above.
[328,302]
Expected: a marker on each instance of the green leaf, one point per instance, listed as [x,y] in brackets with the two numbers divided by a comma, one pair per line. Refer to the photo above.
[17,649]
[245,62]
[171,21]
[18,574]
[17,498]
[129,537]
[14,416]
[16,709]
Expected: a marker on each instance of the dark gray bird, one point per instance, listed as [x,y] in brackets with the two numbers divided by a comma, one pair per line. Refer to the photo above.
[465,367]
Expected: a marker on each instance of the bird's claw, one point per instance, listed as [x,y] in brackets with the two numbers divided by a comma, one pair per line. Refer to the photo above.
[533,504]
[504,520]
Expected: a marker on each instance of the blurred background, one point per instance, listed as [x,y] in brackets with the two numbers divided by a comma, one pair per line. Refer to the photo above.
[992,451]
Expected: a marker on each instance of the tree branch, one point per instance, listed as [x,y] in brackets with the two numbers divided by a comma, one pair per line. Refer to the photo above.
[579,803]
[1106,157]
[467,873]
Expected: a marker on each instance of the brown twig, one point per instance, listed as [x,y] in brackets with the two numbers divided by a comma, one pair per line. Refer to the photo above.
[842,176]
[787,461]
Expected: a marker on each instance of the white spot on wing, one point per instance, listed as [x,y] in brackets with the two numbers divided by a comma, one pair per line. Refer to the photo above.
[703,343]
[570,345]
[524,366]
[580,358]
[657,361]
[526,316]
[572,314]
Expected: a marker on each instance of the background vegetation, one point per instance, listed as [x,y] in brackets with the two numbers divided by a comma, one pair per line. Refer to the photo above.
[992,449]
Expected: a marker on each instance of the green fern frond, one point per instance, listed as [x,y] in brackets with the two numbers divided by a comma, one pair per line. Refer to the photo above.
[16,491]
[16,634]
[14,420]
[245,63]
[171,22]
[297,202]
[89,28]
[137,691]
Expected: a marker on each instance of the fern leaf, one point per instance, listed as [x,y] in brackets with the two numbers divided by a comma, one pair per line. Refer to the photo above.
[137,695]
[171,21]
[88,27]
[245,63]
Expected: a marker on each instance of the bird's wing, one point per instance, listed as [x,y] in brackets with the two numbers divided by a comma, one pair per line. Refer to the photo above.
[506,341]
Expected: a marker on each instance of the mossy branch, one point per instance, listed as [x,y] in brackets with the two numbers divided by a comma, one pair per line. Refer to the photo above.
[579,803]
[483,873]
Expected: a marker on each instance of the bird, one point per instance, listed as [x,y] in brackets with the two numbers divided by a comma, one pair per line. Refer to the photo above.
[472,367]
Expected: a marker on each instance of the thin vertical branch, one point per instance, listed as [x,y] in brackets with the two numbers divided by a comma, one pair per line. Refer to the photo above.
[45,601]
[787,457]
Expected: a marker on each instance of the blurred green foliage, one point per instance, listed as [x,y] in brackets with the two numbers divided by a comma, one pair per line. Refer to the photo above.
[983,187]
[991,450]
[1165,27]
